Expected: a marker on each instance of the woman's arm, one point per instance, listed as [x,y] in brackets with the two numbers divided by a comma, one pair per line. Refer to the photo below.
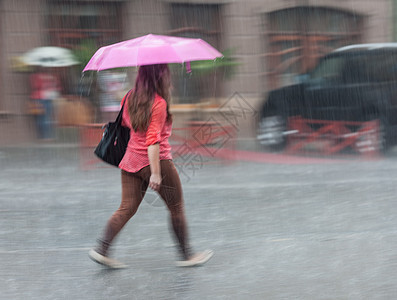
[154,160]
[153,137]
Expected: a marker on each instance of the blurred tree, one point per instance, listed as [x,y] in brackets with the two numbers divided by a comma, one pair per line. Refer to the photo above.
[84,51]
[227,64]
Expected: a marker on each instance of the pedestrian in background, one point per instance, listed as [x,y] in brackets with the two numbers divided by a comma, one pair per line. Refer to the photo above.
[148,163]
[45,88]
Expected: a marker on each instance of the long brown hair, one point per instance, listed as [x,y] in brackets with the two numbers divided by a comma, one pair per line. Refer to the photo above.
[150,80]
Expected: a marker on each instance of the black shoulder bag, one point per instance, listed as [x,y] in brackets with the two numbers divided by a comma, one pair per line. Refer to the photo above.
[113,144]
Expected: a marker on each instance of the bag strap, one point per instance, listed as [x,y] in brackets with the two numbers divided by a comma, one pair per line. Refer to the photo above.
[120,115]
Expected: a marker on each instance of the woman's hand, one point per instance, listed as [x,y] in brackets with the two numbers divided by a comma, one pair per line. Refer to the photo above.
[155,182]
[155,178]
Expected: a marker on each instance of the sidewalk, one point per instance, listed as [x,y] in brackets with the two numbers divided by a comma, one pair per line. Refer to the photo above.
[279,231]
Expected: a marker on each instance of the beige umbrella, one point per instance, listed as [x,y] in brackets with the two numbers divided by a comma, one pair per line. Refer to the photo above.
[50,57]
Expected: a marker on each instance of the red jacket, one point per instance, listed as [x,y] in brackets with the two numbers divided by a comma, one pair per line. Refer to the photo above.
[159,130]
[44,86]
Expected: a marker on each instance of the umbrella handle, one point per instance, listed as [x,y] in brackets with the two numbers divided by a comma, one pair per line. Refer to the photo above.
[188,67]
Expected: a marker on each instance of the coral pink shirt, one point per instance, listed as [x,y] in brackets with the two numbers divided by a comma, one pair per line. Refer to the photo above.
[159,130]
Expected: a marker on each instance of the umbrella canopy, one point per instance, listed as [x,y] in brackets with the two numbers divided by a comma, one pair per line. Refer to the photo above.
[149,50]
[49,57]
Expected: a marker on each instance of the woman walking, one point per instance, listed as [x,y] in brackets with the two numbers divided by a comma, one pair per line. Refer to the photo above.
[148,163]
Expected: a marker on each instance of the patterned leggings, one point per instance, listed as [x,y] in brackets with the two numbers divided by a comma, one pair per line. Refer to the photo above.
[134,186]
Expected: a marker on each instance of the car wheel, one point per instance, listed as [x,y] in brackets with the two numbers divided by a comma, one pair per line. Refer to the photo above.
[375,141]
[271,131]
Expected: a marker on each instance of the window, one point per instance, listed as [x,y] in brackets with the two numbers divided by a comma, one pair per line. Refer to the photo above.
[82,25]
[195,21]
[356,68]
[381,67]
[298,37]
[354,71]
[69,23]
[329,70]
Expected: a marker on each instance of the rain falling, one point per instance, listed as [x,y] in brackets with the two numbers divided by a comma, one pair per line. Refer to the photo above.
[198,149]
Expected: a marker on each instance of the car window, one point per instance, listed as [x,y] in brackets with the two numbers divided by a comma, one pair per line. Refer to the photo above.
[370,68]
[355,70]
[382,67]
[328,70]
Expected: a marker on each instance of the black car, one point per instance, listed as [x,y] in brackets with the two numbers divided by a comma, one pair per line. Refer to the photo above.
[353,83]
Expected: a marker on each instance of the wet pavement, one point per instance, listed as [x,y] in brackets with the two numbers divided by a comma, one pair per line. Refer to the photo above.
[320,230]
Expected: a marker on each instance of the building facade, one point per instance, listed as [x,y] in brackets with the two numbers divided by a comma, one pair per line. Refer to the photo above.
[269,41]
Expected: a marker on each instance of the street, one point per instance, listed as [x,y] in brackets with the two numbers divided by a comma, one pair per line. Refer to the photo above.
[323,230]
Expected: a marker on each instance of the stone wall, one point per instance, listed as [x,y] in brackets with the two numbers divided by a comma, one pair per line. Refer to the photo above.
[22,28]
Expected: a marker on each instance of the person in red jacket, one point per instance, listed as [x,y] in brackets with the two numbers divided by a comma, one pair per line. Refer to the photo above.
[148,163]
[45,88]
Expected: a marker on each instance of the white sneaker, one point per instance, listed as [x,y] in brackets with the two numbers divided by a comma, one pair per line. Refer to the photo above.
[196,260]
[106,261]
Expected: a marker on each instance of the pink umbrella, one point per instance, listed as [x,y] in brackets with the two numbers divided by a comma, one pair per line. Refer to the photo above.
[149,50]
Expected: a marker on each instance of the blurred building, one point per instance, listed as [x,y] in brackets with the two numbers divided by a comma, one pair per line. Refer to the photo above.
[271,41]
